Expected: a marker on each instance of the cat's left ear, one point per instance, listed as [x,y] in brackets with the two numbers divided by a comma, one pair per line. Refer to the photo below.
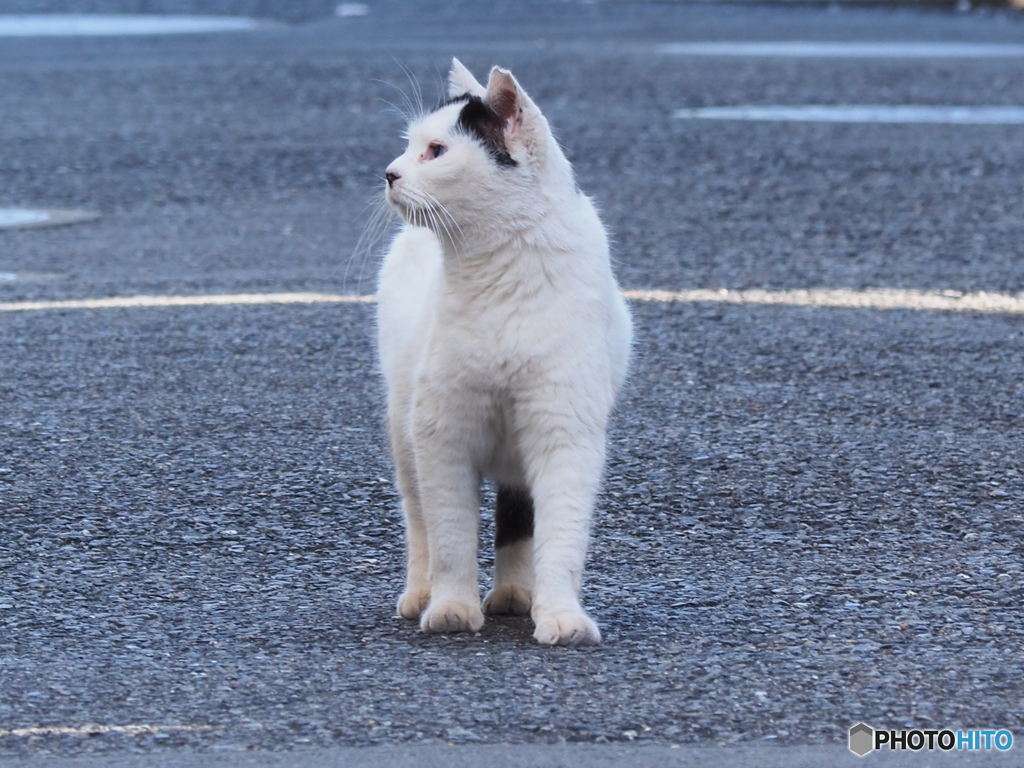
[524,124]
[461,80]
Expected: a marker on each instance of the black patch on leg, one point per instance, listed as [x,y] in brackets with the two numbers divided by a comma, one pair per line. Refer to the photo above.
[513,516]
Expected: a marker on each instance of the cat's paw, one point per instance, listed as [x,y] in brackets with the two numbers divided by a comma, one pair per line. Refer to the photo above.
[449,616]
[508,599]
[566,628]
[413,602]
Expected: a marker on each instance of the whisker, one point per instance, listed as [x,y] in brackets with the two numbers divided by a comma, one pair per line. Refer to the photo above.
[397,110]
[373,209]
[442,83]
[451,218]
[408,111]
[445,214]
[425,213]
[374,232]
[439,224]
[414,83]
[384,225]
[436,211]
[432,207]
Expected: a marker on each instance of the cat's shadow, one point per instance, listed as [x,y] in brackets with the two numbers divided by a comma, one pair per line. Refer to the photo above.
[497,630]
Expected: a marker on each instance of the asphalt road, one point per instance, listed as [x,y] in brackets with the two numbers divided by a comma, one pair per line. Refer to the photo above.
[812,517]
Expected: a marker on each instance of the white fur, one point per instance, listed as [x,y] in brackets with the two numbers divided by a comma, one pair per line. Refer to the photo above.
[503,340]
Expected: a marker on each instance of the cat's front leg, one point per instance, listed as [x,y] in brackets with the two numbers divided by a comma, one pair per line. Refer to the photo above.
[564,480]
[414,599]
[417,564]
[450,495]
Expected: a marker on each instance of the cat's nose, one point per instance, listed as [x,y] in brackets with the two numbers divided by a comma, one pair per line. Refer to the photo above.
[392,177]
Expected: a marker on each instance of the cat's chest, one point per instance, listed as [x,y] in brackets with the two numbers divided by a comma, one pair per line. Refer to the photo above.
[492,344]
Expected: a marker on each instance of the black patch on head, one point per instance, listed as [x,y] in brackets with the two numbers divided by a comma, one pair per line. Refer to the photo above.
[513,516]
[452,100]
[479,120]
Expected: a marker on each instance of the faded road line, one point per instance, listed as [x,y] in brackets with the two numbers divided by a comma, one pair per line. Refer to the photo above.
[118,302]
[882,298]
[861,113]
[99,24]
[807,49]
[878,298]
[18,218]
[96,729]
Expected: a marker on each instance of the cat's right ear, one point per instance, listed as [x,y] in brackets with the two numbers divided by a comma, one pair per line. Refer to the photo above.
[461,80]
[524,125]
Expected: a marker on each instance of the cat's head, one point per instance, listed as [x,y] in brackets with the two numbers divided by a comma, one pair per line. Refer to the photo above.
[483,165]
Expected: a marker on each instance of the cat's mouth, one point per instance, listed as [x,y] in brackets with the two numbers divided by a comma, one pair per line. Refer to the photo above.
[412,215]
[423,213]
[404,209]
[418,217]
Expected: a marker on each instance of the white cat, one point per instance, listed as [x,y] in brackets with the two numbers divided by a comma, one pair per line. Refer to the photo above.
[503,340]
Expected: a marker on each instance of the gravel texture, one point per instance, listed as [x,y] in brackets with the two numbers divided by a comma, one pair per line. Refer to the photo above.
[811,516]
[200,530]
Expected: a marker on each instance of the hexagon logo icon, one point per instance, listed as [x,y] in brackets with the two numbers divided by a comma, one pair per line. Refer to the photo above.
[862,739]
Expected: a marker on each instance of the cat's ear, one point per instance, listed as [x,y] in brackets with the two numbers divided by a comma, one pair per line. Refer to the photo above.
[503,94]
[461,80]
[524,124]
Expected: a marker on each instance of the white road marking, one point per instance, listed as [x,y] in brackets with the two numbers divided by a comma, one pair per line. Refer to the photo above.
[96,729]
[859,50]
[878,298]
[119,302]
[23,218]
[351,9]
[862,113]
[94,25]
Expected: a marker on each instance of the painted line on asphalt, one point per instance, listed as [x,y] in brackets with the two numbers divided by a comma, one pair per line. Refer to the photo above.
[21,217]
[861,113]
[345,10]
[842,298]
[848,50]
[96,729]
[879,298]
[127,302]
[26,218]
[103,25]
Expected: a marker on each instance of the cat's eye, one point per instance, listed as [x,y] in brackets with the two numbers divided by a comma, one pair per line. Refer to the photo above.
[435,150]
